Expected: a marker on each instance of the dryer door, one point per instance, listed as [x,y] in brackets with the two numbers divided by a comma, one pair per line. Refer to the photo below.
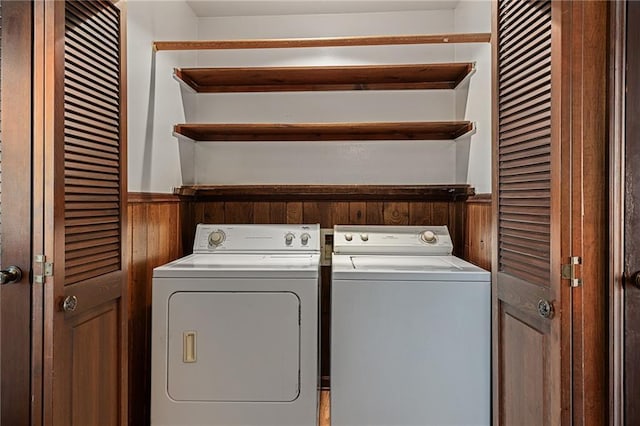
[234,346]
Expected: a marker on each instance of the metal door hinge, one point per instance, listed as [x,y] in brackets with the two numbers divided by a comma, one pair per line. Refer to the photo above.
[569,271]
[46,268]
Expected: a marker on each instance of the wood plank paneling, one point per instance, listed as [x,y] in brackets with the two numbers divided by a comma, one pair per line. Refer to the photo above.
[478,231]
[155,238]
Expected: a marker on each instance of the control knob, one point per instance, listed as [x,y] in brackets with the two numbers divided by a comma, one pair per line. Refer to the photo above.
[429,237]
[288,238]
[364,237]
[216,238]
[304,238]
[348,237]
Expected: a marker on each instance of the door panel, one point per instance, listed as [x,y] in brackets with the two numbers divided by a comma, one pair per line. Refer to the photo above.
[15,299]
[84,176]
[524,384]
[96,360]
[550,125]
[527,345]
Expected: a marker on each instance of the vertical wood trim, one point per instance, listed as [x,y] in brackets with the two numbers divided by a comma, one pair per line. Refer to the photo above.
[57,404]
[124,222]
[38,364]
[496,375]
[617,85]
[589,198]
[560,405]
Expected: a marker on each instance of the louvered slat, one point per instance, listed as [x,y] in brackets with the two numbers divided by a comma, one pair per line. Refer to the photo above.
[524,139]
[92,140]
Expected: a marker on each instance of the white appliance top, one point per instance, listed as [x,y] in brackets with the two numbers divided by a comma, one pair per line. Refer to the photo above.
[242,265]
[369,268]
[392,240]
[212,238]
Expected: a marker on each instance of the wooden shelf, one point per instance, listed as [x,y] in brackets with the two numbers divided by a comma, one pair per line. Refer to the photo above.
[438,130]
[453,192]
[321,42]
[360,77]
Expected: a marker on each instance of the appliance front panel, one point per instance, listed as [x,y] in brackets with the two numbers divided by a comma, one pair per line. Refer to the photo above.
[221,238]
[404,354]
[394,240]
[233,346]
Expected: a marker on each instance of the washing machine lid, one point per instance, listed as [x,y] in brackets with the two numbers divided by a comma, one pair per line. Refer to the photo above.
[403,268]
[274,265]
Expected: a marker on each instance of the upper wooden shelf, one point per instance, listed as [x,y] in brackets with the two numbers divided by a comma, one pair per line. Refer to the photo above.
[321,42]
[438,130]
[359,77]
[451,192]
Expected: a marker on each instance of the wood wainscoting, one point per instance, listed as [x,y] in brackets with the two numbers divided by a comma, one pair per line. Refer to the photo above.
[154,239]
[161,229]
[479,231]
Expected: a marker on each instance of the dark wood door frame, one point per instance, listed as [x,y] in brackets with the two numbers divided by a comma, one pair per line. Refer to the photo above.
[624,293]
[15,299]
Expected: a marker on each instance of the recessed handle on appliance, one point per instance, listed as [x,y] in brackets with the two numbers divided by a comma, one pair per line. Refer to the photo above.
[189,347]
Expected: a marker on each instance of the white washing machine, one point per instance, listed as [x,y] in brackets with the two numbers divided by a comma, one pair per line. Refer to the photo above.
[410,330]
[235,329]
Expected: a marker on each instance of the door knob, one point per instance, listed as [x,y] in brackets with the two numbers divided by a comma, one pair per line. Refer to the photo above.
[11,275]
[70,303]
[545,308]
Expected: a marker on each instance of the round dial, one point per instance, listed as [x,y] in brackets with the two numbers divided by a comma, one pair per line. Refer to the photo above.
[304,238]
[348,237]
[288,238]
[216,238]
[364,237]
[429,237]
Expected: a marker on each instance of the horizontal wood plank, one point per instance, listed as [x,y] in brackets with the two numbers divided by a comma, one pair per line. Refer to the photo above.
[454,192]
[321,42]
[358,77]
[436,130]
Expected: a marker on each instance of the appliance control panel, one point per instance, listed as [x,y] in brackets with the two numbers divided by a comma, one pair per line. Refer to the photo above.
[416,240]
[212,238]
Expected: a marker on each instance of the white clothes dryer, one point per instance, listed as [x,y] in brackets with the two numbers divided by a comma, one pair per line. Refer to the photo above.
[410,330]
[235,329]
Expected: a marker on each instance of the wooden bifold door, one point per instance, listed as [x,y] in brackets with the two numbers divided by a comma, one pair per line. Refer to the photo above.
[549,281]
[63,329]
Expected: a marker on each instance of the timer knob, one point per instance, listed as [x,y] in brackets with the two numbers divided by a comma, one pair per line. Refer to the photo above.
[304,238]
[216,238]
[429,237]
[348,237]
[288,238]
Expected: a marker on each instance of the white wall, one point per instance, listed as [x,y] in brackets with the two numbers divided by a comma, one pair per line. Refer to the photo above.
[392,162]
[154,99]
[474,16]
[157,162]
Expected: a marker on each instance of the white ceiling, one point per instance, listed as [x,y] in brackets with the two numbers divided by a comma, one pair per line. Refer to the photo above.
[210,8]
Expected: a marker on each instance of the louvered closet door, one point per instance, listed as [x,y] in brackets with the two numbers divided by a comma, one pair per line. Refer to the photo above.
[526,331]
[89,325]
